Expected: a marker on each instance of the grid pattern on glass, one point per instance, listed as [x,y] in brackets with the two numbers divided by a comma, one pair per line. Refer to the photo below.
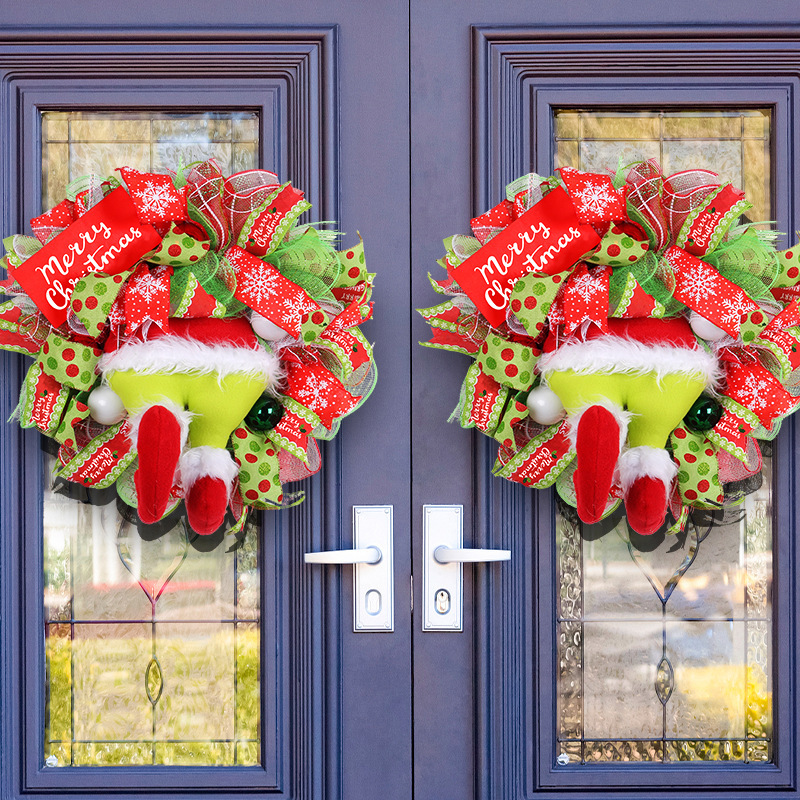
[152,637]
[75,143]
[664,645]
[152,645]
[733,143]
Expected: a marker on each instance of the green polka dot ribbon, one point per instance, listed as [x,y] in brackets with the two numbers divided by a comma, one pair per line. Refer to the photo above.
[257,456]
[618,248]
[354,268]
[531,299]
[510,363]
[698,469]
[178,249]
[515,411]
[93,296]
[70,363]
[75,413]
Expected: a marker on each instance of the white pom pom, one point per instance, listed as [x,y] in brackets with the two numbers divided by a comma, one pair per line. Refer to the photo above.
[267,329]
[706,329]
[544,405]
[105,406]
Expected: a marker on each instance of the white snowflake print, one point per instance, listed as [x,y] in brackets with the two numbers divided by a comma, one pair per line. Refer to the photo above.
[312,395]
[296,309]
[584,286]
[596,198]
[155,198]
[731,311]
[751,392]
[147,286]
[116,316]
[260,283]
[697,283]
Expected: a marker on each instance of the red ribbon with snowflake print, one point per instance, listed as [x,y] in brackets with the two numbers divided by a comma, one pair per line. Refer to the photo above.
[262,287]
[701,287]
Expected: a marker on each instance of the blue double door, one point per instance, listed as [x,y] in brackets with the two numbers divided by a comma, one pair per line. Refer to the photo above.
[402,120]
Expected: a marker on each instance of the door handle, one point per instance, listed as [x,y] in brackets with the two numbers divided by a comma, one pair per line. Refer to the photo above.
[443,562]
[373,568]
[365,555]
[464,555]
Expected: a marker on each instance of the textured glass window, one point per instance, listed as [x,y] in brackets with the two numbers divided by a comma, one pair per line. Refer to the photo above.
[152,634]
[665,642]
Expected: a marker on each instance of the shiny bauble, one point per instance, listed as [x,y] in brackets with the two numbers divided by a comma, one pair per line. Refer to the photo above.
[706,329]
[544,405]
[105,406]
[266,329]
[264,415]
[704,414]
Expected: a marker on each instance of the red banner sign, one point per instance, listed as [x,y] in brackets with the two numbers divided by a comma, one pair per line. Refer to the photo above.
[547,239]
[107,238]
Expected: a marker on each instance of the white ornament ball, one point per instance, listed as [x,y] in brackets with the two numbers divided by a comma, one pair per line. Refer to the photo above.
[267,329]
[105,406]
[544,405]
[706,329]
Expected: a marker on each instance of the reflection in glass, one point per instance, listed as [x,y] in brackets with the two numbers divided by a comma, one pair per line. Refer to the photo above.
[152,634]
[75,143]
[664,644]
[733,143]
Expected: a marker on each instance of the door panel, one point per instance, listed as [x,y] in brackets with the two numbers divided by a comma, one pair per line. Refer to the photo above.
[520,72]
[335,706]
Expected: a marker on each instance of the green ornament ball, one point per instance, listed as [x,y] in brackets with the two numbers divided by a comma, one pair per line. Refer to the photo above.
[704,414]
[264,415]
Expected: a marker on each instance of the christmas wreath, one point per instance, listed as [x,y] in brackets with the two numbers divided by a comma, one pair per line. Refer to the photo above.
[632,338]
[191,341]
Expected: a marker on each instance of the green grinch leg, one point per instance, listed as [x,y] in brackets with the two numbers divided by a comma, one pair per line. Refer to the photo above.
[656,406]
[219,406]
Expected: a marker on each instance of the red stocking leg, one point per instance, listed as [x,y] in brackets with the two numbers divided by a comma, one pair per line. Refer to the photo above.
[646,475]
[159,441]
[207,474]
[598,435]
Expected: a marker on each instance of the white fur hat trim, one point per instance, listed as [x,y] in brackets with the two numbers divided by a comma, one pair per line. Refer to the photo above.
[169,355]
[620,355]
[216,462]
[653,462]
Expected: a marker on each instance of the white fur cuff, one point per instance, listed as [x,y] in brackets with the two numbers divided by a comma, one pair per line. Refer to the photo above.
[215,462]
[183,416]
[638,462]
[621,416]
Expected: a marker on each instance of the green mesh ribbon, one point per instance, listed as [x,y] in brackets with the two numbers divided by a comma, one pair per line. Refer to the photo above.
[748,262]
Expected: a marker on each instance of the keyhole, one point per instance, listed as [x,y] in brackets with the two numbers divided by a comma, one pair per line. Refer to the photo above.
[442,601]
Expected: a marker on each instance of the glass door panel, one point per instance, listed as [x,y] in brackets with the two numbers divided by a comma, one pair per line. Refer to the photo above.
[152,634]
[664,642]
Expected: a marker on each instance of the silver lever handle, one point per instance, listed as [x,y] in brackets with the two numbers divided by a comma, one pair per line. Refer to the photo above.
[458,555]
[365,555]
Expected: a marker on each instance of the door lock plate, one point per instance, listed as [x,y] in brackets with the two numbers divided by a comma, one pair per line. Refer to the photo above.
[373,584]
[442,584]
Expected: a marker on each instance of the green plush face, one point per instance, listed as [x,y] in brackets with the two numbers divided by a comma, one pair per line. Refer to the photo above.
[658,405]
